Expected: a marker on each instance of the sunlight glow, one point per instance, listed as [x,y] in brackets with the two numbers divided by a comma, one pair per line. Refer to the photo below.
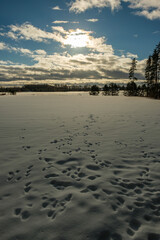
[77,39]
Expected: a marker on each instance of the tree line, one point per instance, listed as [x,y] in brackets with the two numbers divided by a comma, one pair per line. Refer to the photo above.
[151,88]
[45,88]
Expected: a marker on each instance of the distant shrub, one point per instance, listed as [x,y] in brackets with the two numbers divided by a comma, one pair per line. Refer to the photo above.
[94,90]
[131,89]
[105,90]
[153,91]
[112,89]
[12,91]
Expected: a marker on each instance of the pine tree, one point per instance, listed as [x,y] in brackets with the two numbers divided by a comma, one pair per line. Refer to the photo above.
[155,66]
[148,70]
[152,73]
[105,90]
[158,61]
[132,70]
[94,90]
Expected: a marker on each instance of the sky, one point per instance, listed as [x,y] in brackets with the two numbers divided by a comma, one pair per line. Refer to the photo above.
[75,42]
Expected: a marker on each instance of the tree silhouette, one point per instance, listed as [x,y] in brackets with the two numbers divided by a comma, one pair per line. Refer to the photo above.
[132,70]
[152,73]
[105,90]
[94,90]
[131,89]
[113,89]
[148,71]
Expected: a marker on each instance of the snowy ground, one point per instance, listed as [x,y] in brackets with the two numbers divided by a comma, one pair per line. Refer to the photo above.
[79,167]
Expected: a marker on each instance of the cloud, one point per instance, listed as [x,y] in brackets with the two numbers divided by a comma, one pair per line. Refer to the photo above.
[79,68]
[27,31]
[131,55]
[71,37]
[82,5]
[6,62]
[40,52]
[62,22]
[3,46]
[56,8]
[156,32]
[60,29]
[99,45]
[99,64]
[146,8]
[23,51]
[92,20]
[150,14]
[59,22]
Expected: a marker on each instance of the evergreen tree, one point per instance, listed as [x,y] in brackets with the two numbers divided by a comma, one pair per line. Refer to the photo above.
[155,66]
[158,61]
[132,70]
[148,70]
[152,73]
[131,89]
[94,90]
[113,89]
[105,90]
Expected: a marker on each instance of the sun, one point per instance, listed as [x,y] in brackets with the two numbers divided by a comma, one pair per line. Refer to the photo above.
[77,39]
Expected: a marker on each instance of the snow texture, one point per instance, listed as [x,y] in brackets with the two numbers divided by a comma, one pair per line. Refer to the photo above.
[79,167]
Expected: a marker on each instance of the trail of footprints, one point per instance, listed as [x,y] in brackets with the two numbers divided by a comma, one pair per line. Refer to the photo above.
[147,208]
[17,175]
[22,214]
[122,189]
[14,175]
[53,206]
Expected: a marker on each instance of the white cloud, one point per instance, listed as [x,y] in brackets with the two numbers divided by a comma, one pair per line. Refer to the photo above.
[29,32]
[23,51]
[99,65]
[82,5]
[92,20]
[131,55]
[79,68]
[99,45]
[3,46]
[12,35]
[57,8]
[144,4]
[60,29]
[147,8]
[83,39]
[71,37]
[40,52]
[152,15]
[59,22]
[5,62]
